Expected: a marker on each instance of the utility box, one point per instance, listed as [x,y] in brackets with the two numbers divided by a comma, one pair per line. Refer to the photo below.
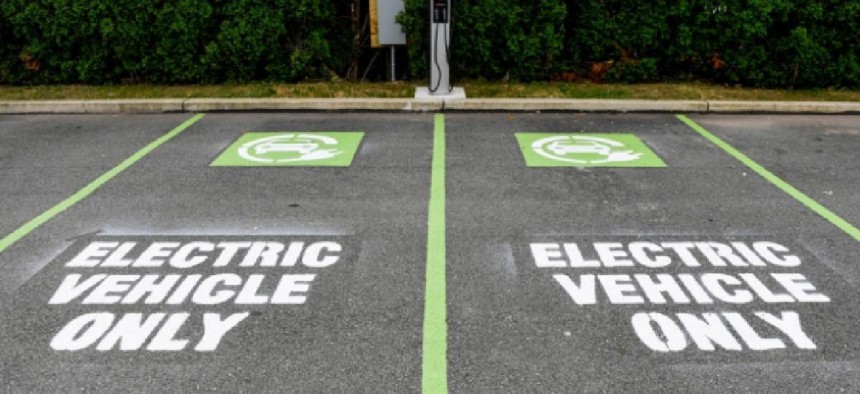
[384,30]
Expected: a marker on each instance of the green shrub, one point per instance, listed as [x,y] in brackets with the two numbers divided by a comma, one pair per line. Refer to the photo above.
[259,39]
[60,40]
[182,41]
[601,30]
[492,38]
[184,28]
[414,22]
[643,70]
[767,43]
[7,49]
[728,41]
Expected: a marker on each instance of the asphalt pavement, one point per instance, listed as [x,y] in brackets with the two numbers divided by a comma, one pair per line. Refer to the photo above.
[291,252]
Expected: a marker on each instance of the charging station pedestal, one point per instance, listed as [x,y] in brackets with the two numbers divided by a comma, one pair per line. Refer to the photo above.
[440,44]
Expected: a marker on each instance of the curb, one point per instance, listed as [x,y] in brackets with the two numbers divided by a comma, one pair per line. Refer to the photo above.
[421,105]
[91,106]
[814,107]
[287,104]
[576,105]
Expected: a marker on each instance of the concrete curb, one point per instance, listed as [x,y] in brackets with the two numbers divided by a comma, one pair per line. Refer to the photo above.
[576,105]
[346,104]
[420,105]
[818,107]
[91,106]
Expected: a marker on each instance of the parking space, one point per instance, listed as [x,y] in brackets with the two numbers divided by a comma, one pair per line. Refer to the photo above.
[604,279]
[292,252]
[307,280]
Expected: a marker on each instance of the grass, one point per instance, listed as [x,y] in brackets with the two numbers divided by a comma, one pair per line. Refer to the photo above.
[250,90]
[474,89]
[657,91]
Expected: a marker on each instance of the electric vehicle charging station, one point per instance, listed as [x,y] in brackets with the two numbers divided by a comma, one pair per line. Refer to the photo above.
[440,54]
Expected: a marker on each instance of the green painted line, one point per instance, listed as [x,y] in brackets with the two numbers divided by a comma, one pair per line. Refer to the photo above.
[837,221]
[434,366]
[33,224]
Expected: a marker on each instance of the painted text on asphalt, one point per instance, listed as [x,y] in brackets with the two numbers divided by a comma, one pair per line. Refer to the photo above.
[748,274]
[121,274]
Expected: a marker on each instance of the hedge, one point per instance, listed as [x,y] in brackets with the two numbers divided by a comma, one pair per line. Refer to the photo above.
[176,41]
[761,43]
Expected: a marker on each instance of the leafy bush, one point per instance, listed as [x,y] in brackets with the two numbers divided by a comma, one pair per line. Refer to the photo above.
[492,38]
[106,41]
[7,51]
[643,70]
[58,40]
[260,39]
[184,27]
[767,43]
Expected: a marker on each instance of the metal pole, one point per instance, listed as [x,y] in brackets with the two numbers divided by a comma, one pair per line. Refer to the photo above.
[393,65]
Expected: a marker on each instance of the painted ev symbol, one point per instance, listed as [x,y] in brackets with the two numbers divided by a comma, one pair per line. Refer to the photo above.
[290,147]
[584,149]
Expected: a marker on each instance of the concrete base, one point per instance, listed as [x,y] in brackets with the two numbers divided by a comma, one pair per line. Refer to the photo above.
[424,93]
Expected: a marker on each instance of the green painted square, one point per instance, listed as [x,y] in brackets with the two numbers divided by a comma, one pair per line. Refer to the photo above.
[586,150]
[291,149]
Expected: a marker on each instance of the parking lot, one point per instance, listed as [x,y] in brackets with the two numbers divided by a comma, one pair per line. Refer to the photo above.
[383,252]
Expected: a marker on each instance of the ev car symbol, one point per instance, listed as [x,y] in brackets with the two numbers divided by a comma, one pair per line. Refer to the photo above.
[286,148]
[583,150]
